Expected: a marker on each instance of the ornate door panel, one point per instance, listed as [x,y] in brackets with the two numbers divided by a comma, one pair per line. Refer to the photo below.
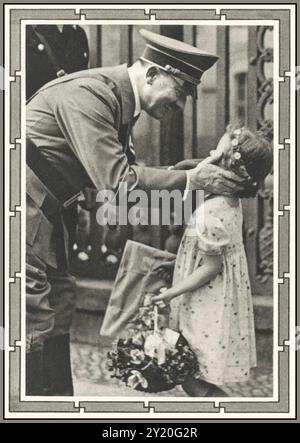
[258,213]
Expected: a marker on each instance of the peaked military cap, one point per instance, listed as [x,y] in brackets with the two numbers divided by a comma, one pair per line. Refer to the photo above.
[178,58]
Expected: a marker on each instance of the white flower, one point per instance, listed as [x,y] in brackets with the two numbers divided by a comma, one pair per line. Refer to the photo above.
[138,339]
[235,142]
[237,155]
[137,356]
[137,379]
[148,322]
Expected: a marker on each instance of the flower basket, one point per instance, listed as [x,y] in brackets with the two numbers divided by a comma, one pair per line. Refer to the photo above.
[149,357]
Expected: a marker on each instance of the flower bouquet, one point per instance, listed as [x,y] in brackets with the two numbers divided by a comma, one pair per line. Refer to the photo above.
[151,357]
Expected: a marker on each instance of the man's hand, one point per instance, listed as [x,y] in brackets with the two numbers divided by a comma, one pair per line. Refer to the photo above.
[213,179]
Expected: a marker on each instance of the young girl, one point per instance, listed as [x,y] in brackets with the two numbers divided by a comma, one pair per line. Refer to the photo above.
[210,299]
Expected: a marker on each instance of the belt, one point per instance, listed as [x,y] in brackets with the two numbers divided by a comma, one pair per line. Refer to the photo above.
[59,187]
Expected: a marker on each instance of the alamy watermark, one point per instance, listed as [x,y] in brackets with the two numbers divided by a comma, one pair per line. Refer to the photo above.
[153,208]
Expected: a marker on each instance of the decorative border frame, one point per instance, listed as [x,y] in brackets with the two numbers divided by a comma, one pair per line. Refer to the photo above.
[282,404]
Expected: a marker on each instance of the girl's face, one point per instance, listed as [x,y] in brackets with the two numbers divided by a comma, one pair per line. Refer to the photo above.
[227,162]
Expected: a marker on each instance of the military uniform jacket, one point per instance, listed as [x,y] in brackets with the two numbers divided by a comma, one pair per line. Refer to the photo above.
[70,48]
[81,123]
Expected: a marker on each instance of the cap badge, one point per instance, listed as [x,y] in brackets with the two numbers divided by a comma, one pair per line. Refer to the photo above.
[172,70]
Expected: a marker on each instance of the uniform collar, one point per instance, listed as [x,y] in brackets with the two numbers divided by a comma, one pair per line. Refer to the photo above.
[120,75]
[137,110]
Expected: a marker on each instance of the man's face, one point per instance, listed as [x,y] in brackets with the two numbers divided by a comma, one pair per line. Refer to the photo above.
[164,95]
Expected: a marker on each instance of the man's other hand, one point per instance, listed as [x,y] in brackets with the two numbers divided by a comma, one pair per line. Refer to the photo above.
[214,179]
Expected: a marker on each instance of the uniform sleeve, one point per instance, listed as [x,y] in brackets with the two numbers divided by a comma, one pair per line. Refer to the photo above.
[213,236]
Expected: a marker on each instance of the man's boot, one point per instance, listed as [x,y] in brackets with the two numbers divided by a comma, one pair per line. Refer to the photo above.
[57,366]
[34,373]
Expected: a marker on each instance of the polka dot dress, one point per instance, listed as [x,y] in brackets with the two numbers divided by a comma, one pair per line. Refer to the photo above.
[217,319]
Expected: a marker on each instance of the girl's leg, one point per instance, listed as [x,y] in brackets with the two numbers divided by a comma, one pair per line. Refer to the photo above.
[200,388]
[196,388]
[215,391]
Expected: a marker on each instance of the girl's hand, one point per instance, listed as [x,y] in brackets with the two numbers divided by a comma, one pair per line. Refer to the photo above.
[166,296]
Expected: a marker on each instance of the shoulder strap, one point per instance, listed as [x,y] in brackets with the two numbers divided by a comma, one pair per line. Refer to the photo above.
[60,72]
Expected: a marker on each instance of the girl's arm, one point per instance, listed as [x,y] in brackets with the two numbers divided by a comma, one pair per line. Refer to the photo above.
[210,268]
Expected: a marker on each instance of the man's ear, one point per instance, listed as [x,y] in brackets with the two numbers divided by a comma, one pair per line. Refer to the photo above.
[151,74]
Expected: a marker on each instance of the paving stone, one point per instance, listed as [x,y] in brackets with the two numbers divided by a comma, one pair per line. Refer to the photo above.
[91,377]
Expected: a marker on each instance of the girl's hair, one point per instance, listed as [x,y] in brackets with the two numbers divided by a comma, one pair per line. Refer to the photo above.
[251,156]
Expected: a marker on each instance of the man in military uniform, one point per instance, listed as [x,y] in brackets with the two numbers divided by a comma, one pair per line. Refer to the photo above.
[78,130]
[53,51]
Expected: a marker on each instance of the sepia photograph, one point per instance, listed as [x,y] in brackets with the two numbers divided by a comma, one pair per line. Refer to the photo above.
[150,197]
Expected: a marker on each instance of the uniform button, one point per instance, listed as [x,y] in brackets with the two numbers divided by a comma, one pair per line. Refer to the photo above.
[41,47]
[85,54]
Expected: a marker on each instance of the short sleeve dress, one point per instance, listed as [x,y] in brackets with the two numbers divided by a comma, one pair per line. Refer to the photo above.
[217,319]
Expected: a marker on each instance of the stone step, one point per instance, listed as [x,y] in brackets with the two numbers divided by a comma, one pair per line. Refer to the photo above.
[93,296]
